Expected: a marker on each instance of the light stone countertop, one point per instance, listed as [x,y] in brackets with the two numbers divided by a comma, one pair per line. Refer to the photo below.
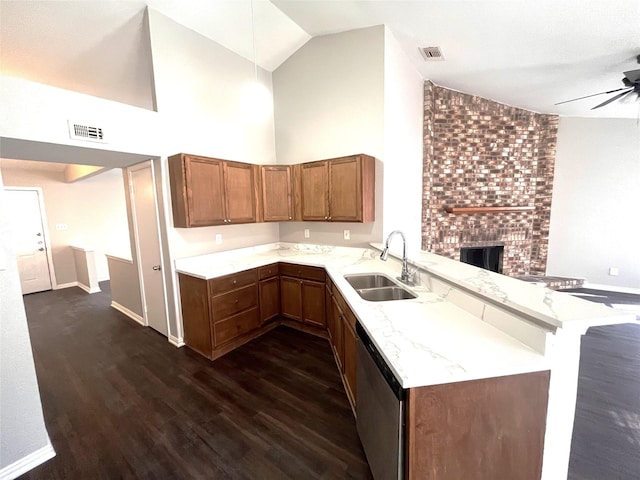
[426,341]
[553,308]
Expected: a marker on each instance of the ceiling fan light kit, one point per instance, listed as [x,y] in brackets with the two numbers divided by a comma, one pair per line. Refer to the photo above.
[631,82]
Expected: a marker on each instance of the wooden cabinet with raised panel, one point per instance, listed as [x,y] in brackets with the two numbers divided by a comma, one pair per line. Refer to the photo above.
[219,314]
[209,191]
[344,342]
[239,192]
[277,193]
[269,293]
[302,291]
[338,190]
[314,191]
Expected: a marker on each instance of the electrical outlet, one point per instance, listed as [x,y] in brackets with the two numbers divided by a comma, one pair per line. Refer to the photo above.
[346,234]
[613,271]
[306,233]
[218,238]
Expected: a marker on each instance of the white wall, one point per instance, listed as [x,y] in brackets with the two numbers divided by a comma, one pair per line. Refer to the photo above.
[37,112]
[403,144]
[198,92]
[329,102]
[23,436]
[596,200]
[355,92]
[94,210]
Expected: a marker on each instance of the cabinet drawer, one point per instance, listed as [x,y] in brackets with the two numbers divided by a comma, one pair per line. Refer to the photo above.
[300,271]
[268,271]
[233,302]
[232,282]
[235,326]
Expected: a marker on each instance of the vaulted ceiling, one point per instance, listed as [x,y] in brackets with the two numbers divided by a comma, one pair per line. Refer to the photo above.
[526,53]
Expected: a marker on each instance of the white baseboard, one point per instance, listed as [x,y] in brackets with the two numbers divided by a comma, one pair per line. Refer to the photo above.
[177,341]
[88,289]
[129,313]
[27,463]
[60,286]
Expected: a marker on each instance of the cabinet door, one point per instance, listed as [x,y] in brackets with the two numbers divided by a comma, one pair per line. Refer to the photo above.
[205,191]
[349,342]
[277,198]
[345,190]
[313,303]
[315,191]
[290,297]
[338,333]
[239,192]
[269,299]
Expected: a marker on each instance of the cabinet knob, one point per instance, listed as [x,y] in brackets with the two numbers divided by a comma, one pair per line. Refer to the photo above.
[235,281]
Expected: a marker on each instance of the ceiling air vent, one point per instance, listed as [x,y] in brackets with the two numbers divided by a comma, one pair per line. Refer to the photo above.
[80,131]
[432,54]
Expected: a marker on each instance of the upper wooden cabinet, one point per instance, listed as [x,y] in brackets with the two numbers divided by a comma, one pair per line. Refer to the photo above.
[338,190]
[277,193]
[209,191]
[314,190]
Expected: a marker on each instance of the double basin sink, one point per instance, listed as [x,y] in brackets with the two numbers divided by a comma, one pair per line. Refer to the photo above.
[376,287]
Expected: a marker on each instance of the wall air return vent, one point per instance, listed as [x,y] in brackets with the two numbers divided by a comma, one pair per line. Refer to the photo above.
[432,54]
[84,132]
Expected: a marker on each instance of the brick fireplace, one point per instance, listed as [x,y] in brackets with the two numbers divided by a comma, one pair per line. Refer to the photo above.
[479,154]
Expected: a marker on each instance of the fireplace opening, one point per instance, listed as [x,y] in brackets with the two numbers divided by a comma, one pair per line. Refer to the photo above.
[489,258]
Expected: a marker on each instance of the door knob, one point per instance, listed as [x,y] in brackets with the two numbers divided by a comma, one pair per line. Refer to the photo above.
[157,267]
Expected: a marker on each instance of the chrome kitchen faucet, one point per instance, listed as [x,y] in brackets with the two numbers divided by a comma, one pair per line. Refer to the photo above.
[404,277]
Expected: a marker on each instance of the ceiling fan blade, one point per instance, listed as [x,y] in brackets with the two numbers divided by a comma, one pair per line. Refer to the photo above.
[592,95]
[633,76]
[613,99]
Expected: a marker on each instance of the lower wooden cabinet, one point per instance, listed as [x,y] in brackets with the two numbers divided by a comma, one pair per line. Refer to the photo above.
[342,331]
[219,314]
[225,312]
[349,369]
[269,290]
[302,293]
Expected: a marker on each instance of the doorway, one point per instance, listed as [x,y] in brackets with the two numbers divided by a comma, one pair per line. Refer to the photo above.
[25,209]
[144,210]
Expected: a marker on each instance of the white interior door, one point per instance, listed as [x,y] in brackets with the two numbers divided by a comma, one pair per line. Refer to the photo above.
[145,217]
[29,244]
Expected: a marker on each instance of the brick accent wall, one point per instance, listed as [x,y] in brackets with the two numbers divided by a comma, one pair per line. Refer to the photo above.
[481,153]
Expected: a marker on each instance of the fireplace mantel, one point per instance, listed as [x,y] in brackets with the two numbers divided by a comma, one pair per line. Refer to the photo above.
[473,210]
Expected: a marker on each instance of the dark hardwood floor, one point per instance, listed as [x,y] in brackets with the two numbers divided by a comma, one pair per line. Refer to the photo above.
[606,432]
[121,402]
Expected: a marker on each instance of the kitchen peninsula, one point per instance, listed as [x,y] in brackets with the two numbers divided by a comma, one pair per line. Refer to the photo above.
[466,325]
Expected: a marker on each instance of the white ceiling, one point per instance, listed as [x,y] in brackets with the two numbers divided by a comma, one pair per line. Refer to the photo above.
[526,53]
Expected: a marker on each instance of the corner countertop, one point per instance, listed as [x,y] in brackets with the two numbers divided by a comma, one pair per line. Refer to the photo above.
[426,340]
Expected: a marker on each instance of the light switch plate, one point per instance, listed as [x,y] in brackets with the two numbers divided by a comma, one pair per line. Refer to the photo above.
[306,233]
[346,234]
[218,238]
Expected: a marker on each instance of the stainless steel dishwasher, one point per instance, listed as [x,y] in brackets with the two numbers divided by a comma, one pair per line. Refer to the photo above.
[380,411]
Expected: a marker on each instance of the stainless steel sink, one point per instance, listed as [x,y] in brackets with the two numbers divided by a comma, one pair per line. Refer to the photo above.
[369,280]
[376,287]
[384,294]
